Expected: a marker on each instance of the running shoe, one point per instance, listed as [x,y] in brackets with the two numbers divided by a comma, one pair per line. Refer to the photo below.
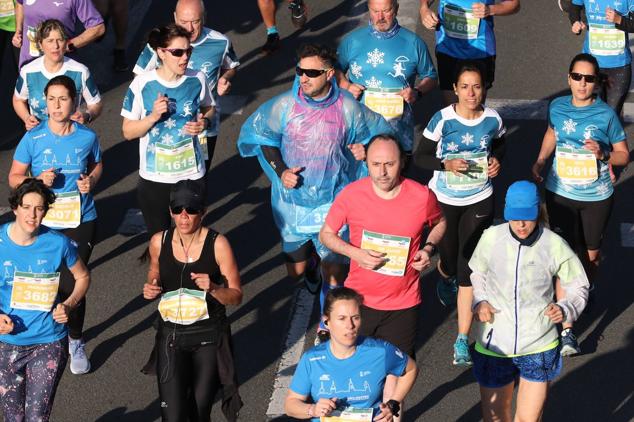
[461,355]
[120,63]
[312,276]
[272,43]
[569,345]
[322,337]
[79,363]
[447,290]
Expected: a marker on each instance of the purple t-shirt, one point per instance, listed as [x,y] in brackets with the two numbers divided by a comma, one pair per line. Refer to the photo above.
[68,12]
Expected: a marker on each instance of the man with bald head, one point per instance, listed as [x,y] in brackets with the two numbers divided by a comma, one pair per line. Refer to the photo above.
[213,55]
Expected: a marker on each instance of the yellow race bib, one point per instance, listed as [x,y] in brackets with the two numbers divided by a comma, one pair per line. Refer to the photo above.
[183,306]
[33,291]
[65,212]
[396,249]
[386,102]
[576,166]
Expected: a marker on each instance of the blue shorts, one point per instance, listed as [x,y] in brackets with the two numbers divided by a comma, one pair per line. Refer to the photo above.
[494,372]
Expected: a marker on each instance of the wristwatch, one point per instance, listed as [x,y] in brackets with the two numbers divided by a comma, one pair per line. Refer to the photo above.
[433,248]
[394,406]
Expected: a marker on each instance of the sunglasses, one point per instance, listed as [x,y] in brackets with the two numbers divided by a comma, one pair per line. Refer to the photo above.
[189,210]
[178,52]
[311,73]
[579,76]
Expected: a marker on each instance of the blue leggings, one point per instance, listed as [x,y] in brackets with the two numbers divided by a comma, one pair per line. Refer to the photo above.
[29,376]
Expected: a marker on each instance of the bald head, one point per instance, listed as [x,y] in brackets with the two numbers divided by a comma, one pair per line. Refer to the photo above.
[190,14]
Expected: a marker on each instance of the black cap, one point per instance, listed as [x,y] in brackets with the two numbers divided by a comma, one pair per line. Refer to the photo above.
[187,193]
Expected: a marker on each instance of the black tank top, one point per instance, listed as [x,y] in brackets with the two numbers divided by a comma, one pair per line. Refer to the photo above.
[171,270]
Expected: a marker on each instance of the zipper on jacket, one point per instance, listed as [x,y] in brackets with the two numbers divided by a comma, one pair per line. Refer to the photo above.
[517,263]
[489,337]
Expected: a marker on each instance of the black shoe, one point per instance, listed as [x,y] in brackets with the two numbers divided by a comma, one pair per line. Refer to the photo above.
[272,43]
[120,63]
[312,276]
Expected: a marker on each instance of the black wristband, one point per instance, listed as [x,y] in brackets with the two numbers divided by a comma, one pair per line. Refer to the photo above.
[394,406]
[433,248]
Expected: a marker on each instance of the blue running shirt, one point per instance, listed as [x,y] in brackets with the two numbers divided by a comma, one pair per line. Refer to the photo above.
[573,125]
[461,36]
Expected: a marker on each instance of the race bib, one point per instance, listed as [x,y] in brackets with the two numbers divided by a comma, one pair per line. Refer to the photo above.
[6,8]
[476,175]
[204,149]
[460,23]
[30,36]
[576,166]
[183,306]
[34,292]
[65,212]
[606,40]
[349,414]
[386,102]
[395,248]
[310,220]
[178,160]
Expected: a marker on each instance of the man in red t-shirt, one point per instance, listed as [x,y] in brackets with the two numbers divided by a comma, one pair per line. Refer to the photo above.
[386,214]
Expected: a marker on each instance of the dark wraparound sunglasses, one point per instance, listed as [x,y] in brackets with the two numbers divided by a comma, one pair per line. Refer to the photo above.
[578,76]
[189,210]
[311,73]
[178,52]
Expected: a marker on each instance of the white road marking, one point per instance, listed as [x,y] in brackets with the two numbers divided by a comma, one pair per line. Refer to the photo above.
[132,223]
[293,349]
[627,235]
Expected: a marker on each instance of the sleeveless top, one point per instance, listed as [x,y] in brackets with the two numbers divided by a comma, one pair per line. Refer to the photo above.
[171,269]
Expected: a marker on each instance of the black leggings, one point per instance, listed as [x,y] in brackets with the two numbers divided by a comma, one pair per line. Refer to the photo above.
[187,380]
[211,147]
[84,236]
[619,79]
[465,225]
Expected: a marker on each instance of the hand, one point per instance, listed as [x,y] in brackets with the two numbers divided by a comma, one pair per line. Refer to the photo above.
[78,117]
[224,86]
[85,183]
[456,166]
[577,27]
[480,10]
[385,415]
[290,177]
[151,290]
[494,167]
[204,282]
[555,313]
[160,107]
[356,90]
[369,259]
[60,313]
[429,19]
[6,324]
[196,127]
[358,151]
[324,407]
[17,39]
[31,122]
[612,15]
[594,147]
[421,261]
[484,312]
[410,95]
[537,170]
[48,177]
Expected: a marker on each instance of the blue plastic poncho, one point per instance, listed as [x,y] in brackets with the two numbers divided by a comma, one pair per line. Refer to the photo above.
[315,136]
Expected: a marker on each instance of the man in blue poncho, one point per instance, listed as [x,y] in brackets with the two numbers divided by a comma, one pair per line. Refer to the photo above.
[310,143]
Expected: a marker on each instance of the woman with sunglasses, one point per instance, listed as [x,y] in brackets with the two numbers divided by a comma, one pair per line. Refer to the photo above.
[167,108]
[33,317]
[66,156]
[585,135]
[195,274]
[29,103]
[464,145]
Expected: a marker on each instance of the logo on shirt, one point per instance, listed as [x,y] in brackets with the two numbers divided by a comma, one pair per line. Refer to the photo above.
[78,150]
[187,109]
[58,3]
[42,261]
[30,2]
[364,373]
[589,131]
[41,136]
[398,67]
[322,357]
[324,377]
[205,68]
[399,353]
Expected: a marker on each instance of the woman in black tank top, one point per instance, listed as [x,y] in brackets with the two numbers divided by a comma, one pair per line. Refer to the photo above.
[195,274]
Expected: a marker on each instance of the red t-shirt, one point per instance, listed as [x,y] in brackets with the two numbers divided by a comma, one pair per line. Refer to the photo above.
[358,206]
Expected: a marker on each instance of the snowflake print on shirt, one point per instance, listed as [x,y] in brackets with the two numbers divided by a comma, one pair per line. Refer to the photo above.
[355,69]
[373,83]
[170,123]
[467,138]
[452,147]
[569,126]
[375,57]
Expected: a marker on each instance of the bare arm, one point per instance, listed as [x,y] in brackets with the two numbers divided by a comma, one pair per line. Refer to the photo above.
[94,110]
[505,8]
[437,231]
[405,382]
[425,85]
[89,35]
[152,287]
[133,129]
[21,108]
[19,24]
[231,293]
[548,147]
[620,156]
[82,282]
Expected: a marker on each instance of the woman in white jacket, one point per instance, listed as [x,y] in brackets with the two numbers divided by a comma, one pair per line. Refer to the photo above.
[516,335]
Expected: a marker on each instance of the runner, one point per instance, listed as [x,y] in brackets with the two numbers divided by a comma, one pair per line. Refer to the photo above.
[607,41]
[582,129]
[379,65]
[386,214]
[194,272]
[65,156]
[516,333]
[463,144]
[33,345]
[309,142]
[167,109]
[349,371]
[299,15]
[213,55]
[29,103]
[464,31]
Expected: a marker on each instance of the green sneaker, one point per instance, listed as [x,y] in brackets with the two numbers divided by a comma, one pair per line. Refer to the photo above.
[461,355]
[447,290]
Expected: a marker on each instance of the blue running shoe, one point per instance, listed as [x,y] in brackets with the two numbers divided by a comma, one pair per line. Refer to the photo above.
[461,355]
[447,290]
[569,345]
